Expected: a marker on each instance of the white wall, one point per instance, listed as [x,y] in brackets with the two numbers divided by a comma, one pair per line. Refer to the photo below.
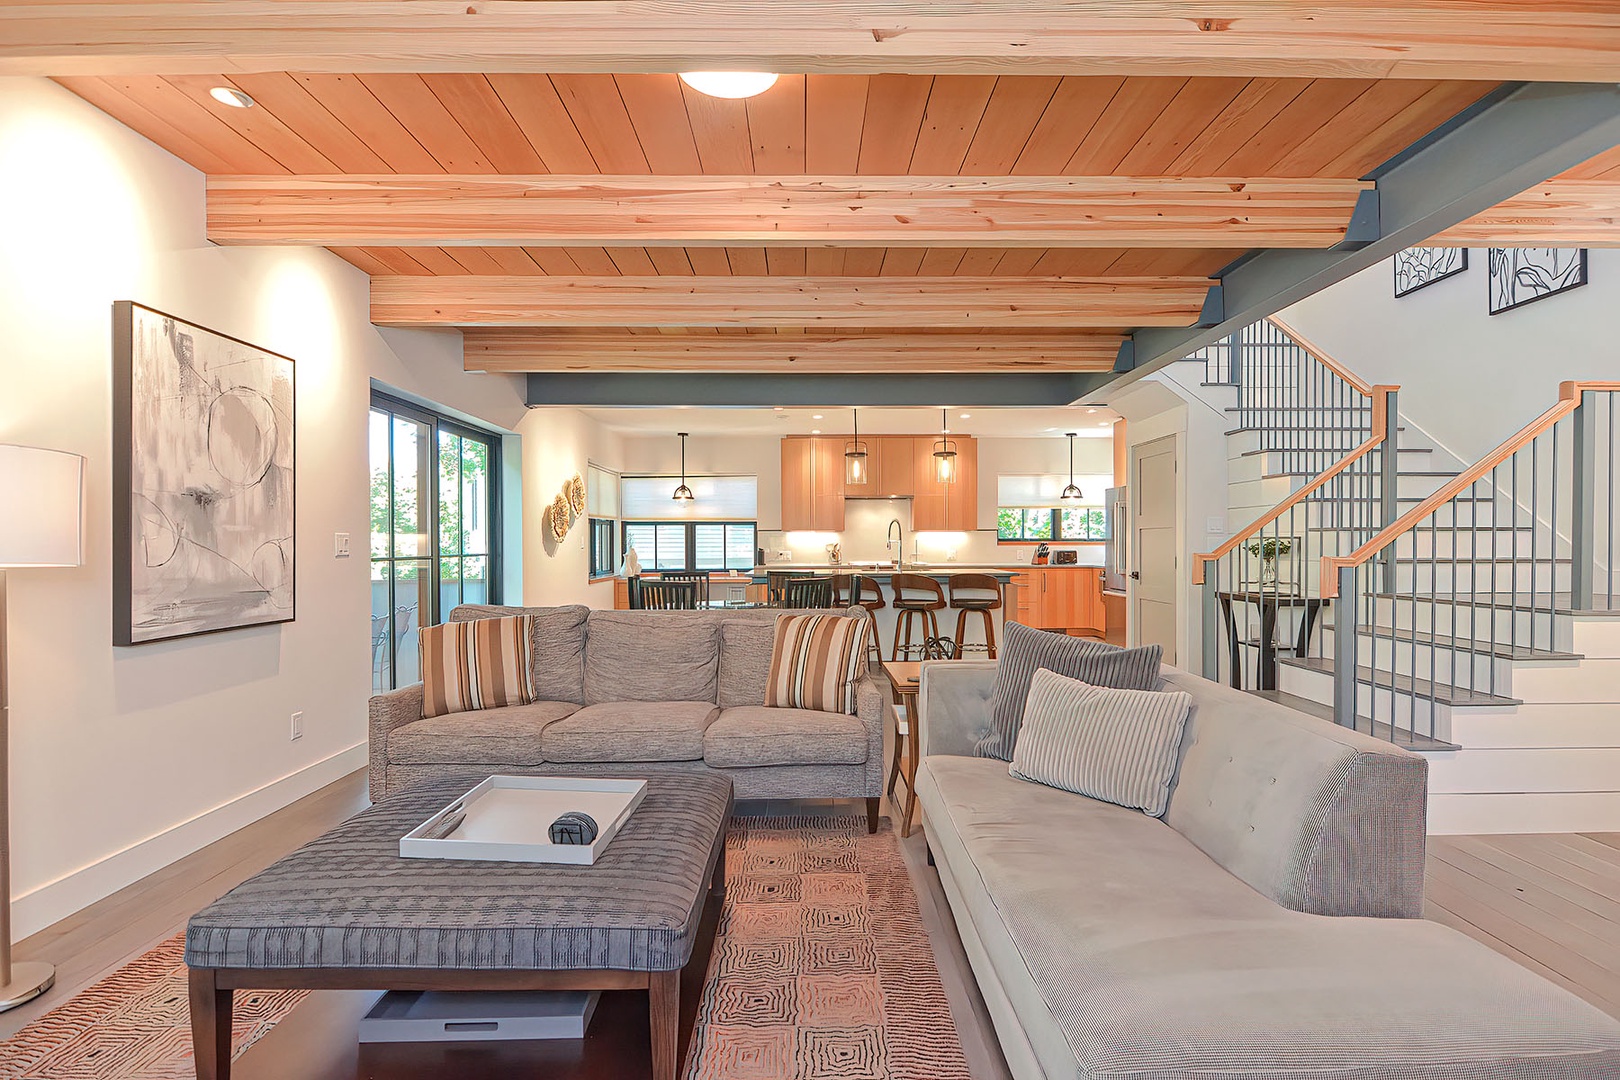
[126,759]
[1468,379]
[557,445]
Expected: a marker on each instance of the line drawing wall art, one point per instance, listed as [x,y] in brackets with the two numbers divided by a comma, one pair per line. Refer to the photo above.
[1521,275]
[1416,267]
[203,480]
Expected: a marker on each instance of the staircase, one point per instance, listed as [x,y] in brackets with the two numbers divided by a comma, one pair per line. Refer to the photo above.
[1465,611]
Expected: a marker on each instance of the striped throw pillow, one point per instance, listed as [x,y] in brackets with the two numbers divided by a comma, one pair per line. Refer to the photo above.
[1120,746]
[817,662]
[1027,651]
[482,664]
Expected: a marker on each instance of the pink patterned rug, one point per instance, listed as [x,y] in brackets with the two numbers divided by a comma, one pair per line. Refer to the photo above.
[822,969]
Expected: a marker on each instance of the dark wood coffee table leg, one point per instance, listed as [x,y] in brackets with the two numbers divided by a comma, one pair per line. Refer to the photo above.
[664,1010]
[210,1026]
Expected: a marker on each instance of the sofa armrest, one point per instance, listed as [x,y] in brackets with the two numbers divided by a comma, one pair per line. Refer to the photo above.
[953,699]
[385,713]
[872,707]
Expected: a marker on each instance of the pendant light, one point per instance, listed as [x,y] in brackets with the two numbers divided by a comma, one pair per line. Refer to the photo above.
[683,493]
[1072,492]
[944,453]
[855,459]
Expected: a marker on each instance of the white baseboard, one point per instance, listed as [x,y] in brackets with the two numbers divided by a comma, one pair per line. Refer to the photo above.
[77,890]
[1528,812]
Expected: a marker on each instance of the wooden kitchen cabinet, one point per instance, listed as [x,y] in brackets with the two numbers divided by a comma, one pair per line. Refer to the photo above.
[1062,598]
[812,484]
[947,507]
[891,474]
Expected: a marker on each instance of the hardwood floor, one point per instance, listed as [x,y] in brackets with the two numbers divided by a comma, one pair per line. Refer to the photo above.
[1549,902]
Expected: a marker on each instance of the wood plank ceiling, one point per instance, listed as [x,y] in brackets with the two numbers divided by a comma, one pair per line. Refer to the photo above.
[834,127]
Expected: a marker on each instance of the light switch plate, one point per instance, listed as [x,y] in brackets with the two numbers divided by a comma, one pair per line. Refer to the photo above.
[340,545]
[1215,525]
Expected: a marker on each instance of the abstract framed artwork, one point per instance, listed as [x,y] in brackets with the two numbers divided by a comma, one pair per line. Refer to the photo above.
[1520,276]
[203,480]
[1419,267]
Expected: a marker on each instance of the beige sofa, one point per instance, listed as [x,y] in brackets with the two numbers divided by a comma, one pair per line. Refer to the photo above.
[659,691]
[1267,927]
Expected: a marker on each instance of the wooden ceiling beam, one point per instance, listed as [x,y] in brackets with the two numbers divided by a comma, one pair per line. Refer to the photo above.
[781,211]
[1559,213]
[1548,40]
[523,350]
[959,302]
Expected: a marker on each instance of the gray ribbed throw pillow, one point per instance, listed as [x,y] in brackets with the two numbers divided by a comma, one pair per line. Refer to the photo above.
[1026,651]
[1119,746]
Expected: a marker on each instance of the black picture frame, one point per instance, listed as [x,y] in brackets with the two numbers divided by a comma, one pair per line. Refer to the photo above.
[1509,268]
[1415,269]
[131,626]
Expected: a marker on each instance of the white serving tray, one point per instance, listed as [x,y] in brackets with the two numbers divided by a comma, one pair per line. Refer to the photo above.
[508,819]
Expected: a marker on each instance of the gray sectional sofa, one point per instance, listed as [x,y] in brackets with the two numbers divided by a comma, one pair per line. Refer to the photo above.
[662,691]
[1268,926]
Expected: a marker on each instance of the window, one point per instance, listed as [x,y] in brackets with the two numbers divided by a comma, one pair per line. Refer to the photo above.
[1045,523]
[602,507]
[435,529]
[695,545]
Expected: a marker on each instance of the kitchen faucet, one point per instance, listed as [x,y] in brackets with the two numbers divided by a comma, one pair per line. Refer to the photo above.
[899,543]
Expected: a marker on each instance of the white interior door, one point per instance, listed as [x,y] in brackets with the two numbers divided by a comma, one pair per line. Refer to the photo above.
[1154,586]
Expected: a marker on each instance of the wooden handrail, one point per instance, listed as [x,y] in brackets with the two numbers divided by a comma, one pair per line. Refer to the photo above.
[1320,357]
[1569,396]
[1380,414]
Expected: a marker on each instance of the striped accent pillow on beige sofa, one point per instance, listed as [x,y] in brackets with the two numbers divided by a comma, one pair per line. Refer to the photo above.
[483,664]
[1120,746]
[816,662]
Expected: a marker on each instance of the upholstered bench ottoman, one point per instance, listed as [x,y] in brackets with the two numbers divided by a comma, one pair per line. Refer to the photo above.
[346,912]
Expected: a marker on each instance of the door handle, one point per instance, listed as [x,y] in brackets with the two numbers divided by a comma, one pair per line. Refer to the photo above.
[1135,576]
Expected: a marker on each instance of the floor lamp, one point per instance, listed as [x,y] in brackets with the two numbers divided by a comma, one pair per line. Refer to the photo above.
[41,498]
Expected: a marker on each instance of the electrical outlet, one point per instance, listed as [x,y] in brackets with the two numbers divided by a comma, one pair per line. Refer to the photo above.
[297,726]
[340,545]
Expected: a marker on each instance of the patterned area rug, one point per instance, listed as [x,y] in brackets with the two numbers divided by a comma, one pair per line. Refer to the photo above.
[133,1025]
[822,970]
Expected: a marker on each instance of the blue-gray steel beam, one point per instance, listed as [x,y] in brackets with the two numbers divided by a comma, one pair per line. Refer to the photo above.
[1518,140]
[659,389]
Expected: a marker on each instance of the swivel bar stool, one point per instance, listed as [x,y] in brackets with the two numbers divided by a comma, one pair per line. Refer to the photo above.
[915,596]
[854,590]
[978,593]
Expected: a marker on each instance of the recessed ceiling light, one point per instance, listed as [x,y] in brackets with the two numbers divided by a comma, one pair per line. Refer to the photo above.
[729,84]
[230,95]
[1091,410]
[776,408]
[815,416]
[966,416]
[815,431]
[1102,423]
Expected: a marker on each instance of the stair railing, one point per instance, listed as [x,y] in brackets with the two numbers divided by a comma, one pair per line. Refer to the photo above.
[1259,586]
[1432,608]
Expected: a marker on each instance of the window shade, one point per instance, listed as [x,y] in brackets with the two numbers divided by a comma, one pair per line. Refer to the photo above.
[601,492]
[1043,489]
[718,498]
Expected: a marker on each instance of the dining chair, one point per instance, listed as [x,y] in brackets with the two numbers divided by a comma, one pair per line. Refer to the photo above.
[776,581]
[664,596]
[698,577]
[808,592]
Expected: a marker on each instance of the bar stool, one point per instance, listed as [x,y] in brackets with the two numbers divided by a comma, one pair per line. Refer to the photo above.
[979,593]
[915,596]
[855,590]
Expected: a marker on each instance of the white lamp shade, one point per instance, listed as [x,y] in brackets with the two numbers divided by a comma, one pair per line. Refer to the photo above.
[41,496]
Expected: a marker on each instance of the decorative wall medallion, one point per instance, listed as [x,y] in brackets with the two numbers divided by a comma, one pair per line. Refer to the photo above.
[575,489]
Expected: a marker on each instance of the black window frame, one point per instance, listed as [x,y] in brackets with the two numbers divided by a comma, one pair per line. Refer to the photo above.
[604,529]
[1057,536]
[437,423]
[649,562]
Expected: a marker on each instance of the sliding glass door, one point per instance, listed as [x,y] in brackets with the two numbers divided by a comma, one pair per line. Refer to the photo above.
[435,529]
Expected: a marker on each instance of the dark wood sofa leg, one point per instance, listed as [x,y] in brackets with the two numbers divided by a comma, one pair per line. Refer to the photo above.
[872,807]
[210,1026]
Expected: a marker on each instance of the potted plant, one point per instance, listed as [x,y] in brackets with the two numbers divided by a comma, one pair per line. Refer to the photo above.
[1268,549]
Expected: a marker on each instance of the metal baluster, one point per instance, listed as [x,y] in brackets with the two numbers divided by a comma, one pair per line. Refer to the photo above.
[1434,638]
[1513,579]
[1473,611]
[1535,530]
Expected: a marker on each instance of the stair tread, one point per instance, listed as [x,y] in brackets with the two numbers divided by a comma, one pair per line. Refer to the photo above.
[1361,430]
[1302,408]
[1441,692]
[1398,475]
[1323,449]
[1482,558]
[1445,641]
[1559,603]
[1380,730]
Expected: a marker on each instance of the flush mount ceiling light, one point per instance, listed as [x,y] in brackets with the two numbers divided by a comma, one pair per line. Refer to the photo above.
[944,453]
[729,84]
[683,493]
[230,95]
[1072,492]
[855,455]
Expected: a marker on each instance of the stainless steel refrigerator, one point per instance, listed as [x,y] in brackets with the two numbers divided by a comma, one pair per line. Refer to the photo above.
[1116,552]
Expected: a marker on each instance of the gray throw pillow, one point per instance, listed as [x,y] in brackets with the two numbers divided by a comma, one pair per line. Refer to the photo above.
[1119,746]
[1027,651]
